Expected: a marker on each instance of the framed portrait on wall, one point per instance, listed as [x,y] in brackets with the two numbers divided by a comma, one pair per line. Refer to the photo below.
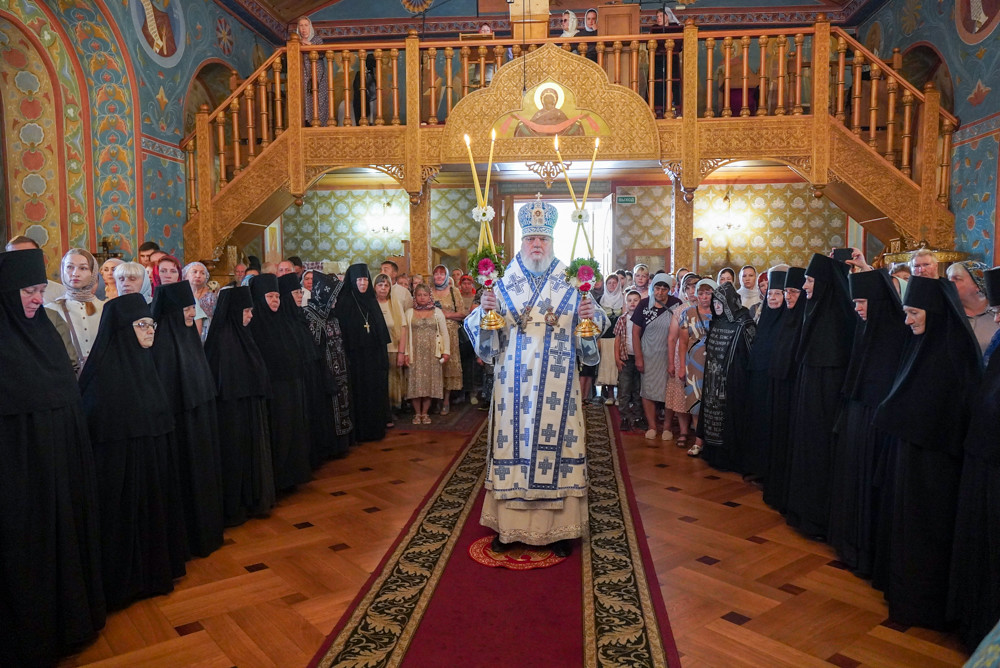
[654,258]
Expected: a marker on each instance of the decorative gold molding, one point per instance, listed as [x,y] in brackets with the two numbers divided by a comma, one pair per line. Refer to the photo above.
[429,173]
[395,171]
[547,171]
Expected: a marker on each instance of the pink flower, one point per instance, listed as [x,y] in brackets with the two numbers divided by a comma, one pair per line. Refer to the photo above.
[488,283]
[585,273]
[585,287]
[486,266]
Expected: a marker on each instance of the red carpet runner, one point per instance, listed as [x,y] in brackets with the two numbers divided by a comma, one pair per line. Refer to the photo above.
[430,604]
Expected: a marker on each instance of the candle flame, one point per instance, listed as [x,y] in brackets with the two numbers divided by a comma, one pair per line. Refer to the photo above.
[555,140]
[468,142]
[493,134]
[597,142]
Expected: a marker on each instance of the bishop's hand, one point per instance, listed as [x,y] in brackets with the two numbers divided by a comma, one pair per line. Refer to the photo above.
[587,309]
[488,300]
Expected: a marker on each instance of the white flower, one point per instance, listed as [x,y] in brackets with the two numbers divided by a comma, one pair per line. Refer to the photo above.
[580,216]
[483,214]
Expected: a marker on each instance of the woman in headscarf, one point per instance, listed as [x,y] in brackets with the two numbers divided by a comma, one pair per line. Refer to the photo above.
[613,303]
[395,321]
[974,594]
[689,361]
[449,300]
[108,277]
[927,415]
[968,277]
[569,24]
[328,339]
[756,445]
[79,306]
[726,275]
[242,386]
[783,373]
[365,340]
[651,328]
[51,596]
[132,277]
[882,335]
[727,356]
[825,350]
[187,379]
[677,397]
[307,34]
[143,538]
[281,348]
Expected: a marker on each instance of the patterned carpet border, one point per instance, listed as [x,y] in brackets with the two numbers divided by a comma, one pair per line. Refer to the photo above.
[620,620]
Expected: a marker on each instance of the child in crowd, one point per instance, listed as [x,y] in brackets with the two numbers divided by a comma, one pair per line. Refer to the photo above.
[629,379]
[428,348]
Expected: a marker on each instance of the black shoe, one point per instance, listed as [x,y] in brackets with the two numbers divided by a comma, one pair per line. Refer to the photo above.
[498,546]
[562,548]
[625,425]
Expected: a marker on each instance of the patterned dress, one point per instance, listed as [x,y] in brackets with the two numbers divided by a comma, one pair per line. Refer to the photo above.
[449,302]
[697,330]
[426,379]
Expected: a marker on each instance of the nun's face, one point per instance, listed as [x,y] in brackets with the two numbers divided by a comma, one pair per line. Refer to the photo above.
[297,296]
[169,273]
[273,300]
[247,316]
[128,285]
[774,298]
[792,297]
[145,330]
[189,312]
[861,308]
[32,298]
[916,318]
[362,284]
[77,271]
[809,286]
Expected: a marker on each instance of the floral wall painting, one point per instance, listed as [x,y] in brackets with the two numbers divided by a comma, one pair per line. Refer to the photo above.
[160,23]
[550,109]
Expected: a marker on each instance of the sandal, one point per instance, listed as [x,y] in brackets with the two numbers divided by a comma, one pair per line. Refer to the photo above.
[682,441]
[416,419]
[425,419]
[694,451]
[445,410]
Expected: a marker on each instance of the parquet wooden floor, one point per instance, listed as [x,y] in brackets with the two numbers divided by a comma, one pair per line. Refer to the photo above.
[742,589]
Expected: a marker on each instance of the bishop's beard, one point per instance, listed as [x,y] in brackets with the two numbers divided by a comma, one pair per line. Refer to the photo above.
[540,265]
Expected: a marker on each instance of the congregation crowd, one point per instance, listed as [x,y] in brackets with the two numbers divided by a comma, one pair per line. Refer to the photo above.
[153,408]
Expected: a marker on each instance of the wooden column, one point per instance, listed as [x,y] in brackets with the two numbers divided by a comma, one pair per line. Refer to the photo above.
[929,130]
[198,234]
[295,99]
[682,231]
[420,234]
[821,103]
[413,183]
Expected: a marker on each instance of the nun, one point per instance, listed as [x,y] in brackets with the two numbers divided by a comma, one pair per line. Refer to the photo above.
[143,538]
[757,443]
[277,339]
[183,370]
[974,594]
[51,595]
[783,373]
[365,340]
[242,386]
[882,336]
[727,356]
[325,335]
[824,352]
[926,414]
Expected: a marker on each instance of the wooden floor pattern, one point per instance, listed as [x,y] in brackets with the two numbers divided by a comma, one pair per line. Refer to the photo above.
[741,588]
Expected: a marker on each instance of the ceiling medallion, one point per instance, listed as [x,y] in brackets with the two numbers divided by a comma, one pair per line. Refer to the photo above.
[547,171]
[417,6]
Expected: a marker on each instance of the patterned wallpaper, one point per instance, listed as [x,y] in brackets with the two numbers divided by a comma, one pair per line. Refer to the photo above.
[775,223]
[346,225]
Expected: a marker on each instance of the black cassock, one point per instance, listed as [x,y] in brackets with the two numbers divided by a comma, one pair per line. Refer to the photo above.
[727,354]
[51,597]
[974,597]
[824,353]
[365,340]
[143,537]
[756,441]
[288,410]
[183,370]
[242,386]
[783,373]
[859,445]
[927,415]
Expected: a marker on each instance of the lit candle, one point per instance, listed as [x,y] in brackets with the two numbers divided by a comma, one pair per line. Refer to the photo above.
[569,184]
[475,175]
[489,166]
[586,190]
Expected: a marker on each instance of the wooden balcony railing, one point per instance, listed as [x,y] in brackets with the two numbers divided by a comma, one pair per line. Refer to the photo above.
[740,74]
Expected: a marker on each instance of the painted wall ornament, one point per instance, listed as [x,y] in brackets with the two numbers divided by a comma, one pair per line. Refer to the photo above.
[160,23]
[417,6]
[975,20]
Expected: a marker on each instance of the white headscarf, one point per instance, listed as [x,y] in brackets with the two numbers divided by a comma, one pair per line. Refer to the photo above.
[613,300]
[570,30]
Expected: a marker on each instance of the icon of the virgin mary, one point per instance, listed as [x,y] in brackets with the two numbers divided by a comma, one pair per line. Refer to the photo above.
[157,27]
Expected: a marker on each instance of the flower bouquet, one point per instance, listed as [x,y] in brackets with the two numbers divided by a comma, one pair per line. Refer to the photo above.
[581,274]
[488,267]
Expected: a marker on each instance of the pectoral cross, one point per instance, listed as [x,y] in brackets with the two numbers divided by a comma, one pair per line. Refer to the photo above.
[525,319]
[368,330]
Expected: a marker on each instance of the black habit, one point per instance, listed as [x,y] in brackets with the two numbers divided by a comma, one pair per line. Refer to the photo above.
[756,442]
[860,446]
[783,373]
[824,353]
[51,596]
[974,596]
[927,414]
[365,340]
[280,346]
[727,355]
[183,370]
[143,537]
[241,384]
